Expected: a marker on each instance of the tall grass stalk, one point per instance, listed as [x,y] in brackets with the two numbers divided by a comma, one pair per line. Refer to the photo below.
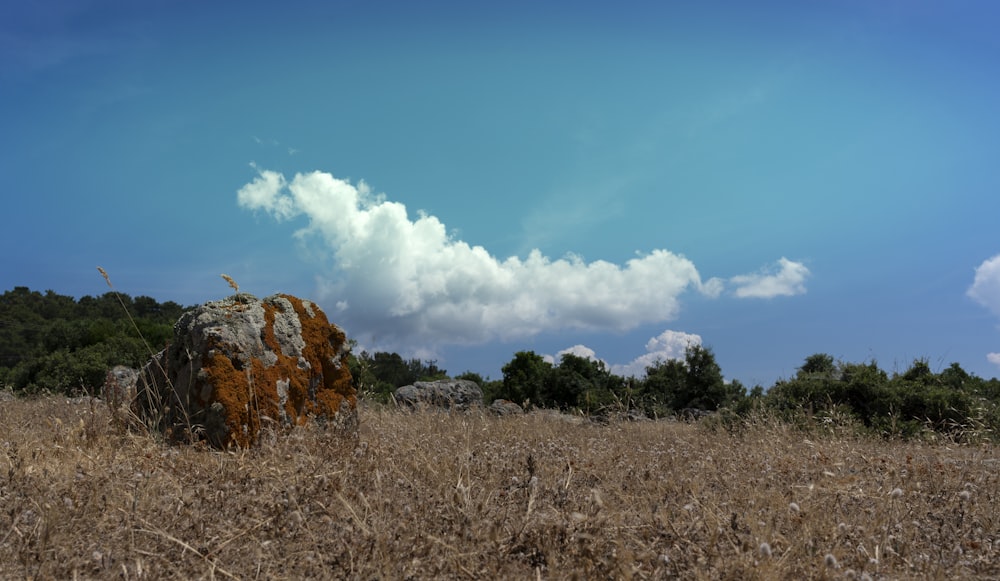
[154,410]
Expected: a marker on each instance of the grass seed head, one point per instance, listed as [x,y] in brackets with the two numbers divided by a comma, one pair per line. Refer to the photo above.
[232,283]
[107,278]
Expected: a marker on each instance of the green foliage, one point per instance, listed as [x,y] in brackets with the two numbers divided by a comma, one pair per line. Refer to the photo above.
[703,387]
[664,379]
[819,365]
[54,342]
[587,385]
[524,378]
[694,383]
[568,383]
[953,402]
[576,383]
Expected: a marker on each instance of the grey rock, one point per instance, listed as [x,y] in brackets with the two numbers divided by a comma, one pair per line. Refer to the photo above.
[636,415]
[458,394]
[557,416]
[692,414]
[505,407]
[632,415]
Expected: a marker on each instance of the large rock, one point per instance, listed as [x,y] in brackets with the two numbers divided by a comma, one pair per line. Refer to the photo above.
[459,394]
[243,365]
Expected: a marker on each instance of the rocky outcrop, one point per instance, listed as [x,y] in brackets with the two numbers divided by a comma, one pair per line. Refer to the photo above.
[504,407]
[457,394]
[242,366]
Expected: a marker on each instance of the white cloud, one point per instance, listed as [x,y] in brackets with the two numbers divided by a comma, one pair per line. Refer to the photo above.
[405,282]
[985,287]
[985,290]
[667,345]
[993,358]
[580,351]
[789,280]
[265,193]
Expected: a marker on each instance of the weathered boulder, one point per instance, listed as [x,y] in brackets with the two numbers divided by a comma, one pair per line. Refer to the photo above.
[458,394]
[119,388]
[242,365]
[504,407]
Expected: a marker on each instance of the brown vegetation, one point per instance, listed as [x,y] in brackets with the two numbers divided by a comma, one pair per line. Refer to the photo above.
[435,495]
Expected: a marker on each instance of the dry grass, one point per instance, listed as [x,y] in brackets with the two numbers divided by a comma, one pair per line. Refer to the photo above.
[465,496]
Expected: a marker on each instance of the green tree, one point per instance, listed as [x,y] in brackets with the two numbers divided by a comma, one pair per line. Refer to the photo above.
[957,378]
[819,366]
[664,380]
[577,382]
[694,383]
[704,387]
[525,376]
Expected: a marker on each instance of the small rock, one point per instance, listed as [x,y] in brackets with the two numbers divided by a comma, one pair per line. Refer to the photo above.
[504,407]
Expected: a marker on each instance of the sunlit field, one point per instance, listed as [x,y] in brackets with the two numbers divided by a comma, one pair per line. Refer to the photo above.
[438,495]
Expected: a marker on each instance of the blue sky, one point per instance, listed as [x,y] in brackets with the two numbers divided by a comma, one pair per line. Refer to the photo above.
[461,181]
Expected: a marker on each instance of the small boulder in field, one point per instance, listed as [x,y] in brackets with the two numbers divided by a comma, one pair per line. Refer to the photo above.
[504,407]
[119,388]
[458,394]
[243,365]
[692,414]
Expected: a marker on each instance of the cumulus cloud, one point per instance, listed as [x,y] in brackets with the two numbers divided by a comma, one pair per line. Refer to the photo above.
[407,282]
[264,193]
[785,278]
[985,288]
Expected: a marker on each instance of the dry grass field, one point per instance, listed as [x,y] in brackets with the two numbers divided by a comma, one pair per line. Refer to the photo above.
[439,496]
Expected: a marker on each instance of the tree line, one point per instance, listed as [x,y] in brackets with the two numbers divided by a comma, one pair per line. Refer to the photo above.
[915,401]
[60,344]
[57,343]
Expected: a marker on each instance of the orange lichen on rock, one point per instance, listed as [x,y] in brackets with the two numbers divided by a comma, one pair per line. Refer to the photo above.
[231,396]
[324,345]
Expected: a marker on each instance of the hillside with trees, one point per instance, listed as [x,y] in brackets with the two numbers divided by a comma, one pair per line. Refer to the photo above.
[50,342]
[58,343]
